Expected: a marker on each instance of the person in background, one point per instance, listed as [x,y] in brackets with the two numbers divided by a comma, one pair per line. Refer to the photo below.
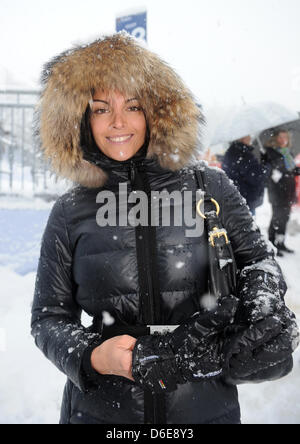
[282,171]
[244,169]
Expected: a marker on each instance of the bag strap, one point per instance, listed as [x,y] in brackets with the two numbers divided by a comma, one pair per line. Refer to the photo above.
[212,208]
[202,183]
[223,269]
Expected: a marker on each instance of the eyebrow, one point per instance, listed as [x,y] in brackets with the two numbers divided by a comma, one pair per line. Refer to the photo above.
[106,103]
[103,101]
[131,100]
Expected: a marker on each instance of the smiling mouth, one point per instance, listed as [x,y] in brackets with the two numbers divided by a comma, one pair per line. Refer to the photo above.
[120,139]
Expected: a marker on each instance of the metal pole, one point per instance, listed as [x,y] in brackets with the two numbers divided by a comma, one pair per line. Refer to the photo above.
[261,147]
[34,169]
[20,91]
[23,146]
[14,134]
[11,153]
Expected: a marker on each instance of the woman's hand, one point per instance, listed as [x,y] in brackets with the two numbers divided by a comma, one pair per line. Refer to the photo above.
[114,357]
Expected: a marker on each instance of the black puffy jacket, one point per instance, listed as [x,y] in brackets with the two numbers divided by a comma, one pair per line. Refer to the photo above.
[241,166]
[110,269]
[282,182]
[85,267]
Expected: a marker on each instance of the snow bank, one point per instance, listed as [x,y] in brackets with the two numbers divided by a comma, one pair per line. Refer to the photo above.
[278,402]
[30,386]
[21,230]
[289,263]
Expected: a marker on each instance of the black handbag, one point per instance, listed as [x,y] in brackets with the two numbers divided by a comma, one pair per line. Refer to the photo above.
[222,264]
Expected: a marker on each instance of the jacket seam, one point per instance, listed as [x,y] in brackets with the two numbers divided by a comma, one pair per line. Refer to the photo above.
[65,225]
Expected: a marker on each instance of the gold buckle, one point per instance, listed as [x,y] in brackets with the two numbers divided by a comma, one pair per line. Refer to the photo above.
[199,207]
[216,233]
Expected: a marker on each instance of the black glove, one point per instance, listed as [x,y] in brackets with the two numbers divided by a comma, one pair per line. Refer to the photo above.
[261,294]
[297,171]
[259,346]
[262,351]
[191,353]
[154,364]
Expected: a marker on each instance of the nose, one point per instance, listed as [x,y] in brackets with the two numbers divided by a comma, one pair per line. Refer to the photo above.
[118,120]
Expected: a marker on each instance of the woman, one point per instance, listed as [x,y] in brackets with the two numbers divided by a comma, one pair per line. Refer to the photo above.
[282,187]
[241,166]
[112,115]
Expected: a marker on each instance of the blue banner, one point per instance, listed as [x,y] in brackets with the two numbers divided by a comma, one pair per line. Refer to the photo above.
[134,24]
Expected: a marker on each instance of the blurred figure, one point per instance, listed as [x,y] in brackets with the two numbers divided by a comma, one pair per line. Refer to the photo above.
[241,166]
[210,158]
[281,186]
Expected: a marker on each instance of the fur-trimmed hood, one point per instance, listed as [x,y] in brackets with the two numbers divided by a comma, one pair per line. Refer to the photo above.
[116,62]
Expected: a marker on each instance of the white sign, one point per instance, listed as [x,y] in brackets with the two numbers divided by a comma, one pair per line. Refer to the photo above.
[135,23]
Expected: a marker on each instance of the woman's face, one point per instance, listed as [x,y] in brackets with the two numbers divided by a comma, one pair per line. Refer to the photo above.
[118,124]
[246,140]
[283,140]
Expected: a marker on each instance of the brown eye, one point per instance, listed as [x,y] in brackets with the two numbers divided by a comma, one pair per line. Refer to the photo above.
[98,107]
[135,108]
[101,111]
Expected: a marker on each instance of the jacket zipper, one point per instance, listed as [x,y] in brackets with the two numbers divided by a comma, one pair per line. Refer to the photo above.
[147,262]
[149,275]
[151,300]
[149,279]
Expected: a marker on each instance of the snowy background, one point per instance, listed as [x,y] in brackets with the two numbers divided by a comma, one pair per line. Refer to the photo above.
[229,53]
[31,387]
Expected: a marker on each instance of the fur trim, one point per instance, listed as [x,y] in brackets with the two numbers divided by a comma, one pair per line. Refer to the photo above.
[119,63]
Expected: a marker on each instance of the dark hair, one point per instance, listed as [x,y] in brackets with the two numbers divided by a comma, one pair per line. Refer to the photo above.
[278,131]
[272,143]
[87,141]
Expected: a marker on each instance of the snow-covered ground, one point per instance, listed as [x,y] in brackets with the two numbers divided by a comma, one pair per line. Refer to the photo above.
[278,402]
[31,387]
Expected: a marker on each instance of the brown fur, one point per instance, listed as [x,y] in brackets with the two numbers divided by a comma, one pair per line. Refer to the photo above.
[114,63]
